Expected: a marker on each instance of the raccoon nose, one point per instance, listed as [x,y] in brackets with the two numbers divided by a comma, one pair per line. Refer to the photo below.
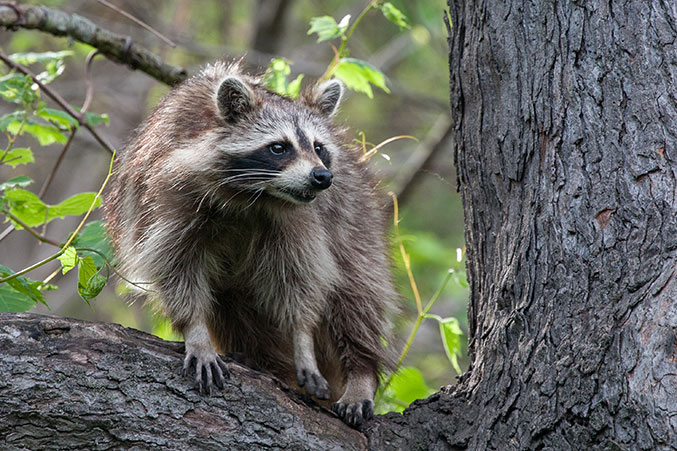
[320,178]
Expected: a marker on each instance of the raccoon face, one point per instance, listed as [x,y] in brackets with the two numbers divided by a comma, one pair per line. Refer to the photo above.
[279,147]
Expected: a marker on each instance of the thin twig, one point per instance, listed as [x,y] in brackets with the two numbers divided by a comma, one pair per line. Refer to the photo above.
[85,106]
[138,22]
[88,81]
[118,48]
[50,177]
[58,99]
[73,235]
[409,175]
[28,229]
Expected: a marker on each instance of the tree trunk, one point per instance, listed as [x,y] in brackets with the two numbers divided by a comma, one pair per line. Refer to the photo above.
[566,133]
[565,120]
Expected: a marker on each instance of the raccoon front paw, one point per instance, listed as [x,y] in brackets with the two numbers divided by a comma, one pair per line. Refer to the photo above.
[210,370]
[354,413]
[315,384]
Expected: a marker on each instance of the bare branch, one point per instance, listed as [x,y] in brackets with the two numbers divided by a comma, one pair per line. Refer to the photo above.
[410,173]
[28,229]
[118,48]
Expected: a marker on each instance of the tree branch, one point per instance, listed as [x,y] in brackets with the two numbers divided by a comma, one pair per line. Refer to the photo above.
[118,48]
[409,175]
[68,383]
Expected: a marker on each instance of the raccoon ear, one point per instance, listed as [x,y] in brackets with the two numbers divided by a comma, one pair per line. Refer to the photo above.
[327,95]
[234,98]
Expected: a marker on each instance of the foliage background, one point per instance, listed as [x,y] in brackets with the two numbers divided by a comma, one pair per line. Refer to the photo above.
[415,62]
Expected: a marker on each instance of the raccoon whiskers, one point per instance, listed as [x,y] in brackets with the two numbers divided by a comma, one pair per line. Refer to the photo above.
[256,196]
[249,174]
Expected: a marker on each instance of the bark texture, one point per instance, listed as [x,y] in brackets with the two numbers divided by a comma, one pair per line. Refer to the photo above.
[70,384]
[565,120]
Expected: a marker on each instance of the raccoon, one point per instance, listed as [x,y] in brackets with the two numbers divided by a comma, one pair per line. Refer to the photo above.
[261,233]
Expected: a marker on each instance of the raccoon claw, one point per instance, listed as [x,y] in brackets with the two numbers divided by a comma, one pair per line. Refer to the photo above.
[209,371]
[315,384]
[354,413]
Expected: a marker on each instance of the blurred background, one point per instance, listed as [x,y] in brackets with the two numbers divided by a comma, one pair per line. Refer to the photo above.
[414,61]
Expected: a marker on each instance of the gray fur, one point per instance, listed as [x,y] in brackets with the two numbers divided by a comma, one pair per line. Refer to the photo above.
[242,261]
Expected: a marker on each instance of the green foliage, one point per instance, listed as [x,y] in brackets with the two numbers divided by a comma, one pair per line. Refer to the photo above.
[17,88]
[24,208]
[20,181]
[358,74]
[17,156]
[405,386]
[327,28]
[162,327]
[19,294]
[69,259]
[32,211]
[92,240]
[93,119]
[90,282]
[451,333]
[58,117]
[46,134]
[394,15]
[52,61]
[275,78]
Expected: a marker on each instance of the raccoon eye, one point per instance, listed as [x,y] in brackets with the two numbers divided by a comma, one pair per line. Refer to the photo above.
[277,148]
[319,148]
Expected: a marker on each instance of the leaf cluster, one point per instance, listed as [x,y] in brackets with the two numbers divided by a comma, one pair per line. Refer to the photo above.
[87,250]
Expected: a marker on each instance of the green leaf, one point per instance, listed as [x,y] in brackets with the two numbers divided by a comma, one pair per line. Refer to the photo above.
[275,78]
[27,287]
[58,117]
[394,15]
[9,118]
[46,134]
[93,119]
[325,27]
[462,280]
[93,235]
[406,386]
[294,87]
[69,259]
[90,282]
[73,206]
[16,157]
[30,209]
[28,58]
[358,74]
[21,181]
[27,207]
[14,301]
[17,88]
[451,333]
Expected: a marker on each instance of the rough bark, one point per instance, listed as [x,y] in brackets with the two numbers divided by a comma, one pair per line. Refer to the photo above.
[565,118]
[69,384]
